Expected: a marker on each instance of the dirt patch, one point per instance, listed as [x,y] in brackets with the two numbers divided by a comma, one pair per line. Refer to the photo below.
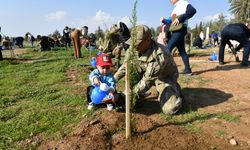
[212,90]
[75,80]
[13,53]
[106,131]
[16,56]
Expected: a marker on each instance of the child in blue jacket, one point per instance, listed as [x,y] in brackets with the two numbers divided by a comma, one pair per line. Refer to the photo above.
[102,75]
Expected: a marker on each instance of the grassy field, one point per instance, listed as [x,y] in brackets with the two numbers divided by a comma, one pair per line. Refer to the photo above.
[34,99]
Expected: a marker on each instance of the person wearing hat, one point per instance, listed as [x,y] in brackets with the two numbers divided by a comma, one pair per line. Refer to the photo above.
[114,42]
[155,67]
[102,74]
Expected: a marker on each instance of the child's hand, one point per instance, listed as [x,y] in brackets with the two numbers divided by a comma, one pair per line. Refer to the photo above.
[96,81]
[108,98]
[162,19]
[111,95]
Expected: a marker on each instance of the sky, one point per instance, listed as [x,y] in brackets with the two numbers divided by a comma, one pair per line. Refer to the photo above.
[43,17]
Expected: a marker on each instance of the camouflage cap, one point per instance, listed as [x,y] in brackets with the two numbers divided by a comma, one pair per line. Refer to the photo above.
[142,32]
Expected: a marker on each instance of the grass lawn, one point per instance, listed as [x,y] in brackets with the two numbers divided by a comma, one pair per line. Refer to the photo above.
[35,99]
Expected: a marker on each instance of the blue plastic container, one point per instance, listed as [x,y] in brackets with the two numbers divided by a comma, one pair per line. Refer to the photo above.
[98,95]
[214,56]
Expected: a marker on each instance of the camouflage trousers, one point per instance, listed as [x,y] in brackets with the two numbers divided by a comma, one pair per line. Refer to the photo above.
[170,97]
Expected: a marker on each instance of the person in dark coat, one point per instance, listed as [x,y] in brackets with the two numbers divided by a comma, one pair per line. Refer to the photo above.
[66,37]
[240,33]
[197,42]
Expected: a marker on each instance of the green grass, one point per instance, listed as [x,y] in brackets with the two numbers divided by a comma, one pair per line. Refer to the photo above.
[220,133]
[228,117]
[34,99]
[203,52]
[198,80]
[190,119]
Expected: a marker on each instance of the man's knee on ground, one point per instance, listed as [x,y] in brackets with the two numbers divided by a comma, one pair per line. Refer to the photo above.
[172,105]
[170,101]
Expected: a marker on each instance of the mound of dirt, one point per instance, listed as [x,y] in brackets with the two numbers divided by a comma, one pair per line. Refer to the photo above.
[106,131]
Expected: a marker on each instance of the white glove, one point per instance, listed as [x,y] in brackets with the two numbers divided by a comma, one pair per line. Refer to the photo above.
[104,87]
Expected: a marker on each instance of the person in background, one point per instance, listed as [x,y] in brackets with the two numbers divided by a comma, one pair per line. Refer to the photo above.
[1,55]
[29,37]
[182,11]
[240,33]
[215,37]
[202,36]
[75,37]
[0,36]
[66,36]
[114,42]
[197,42]
[164,35]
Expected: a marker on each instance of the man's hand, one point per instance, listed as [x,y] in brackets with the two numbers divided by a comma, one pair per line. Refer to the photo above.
[111,95]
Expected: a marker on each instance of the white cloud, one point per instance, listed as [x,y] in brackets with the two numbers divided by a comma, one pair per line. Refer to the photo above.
[102,16]
[215,17]
[56,16]
[102,19]
[212,17]
[126,20]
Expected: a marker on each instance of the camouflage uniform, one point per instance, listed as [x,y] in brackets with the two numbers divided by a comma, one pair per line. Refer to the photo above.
[157,67]
[112,44]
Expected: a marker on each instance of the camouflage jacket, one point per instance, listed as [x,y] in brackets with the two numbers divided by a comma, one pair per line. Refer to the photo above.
[111,41]
[155,67]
